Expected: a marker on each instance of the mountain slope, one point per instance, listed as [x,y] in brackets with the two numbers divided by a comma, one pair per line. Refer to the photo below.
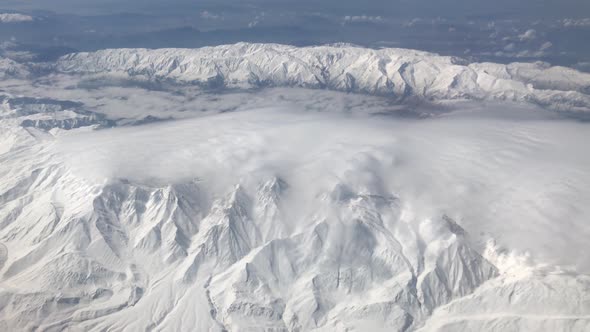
[399,73]
[323,244]
[100,256]
[290,219]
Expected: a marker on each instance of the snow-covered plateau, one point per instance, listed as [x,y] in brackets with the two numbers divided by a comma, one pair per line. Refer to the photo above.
[273,188]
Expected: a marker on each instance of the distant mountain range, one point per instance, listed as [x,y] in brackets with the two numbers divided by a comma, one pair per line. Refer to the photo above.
[399,73]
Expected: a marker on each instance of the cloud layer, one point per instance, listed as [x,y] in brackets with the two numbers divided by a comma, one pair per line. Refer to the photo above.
[515,176]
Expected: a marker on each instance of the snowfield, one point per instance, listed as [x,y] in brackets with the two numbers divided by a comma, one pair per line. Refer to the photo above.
[287,209]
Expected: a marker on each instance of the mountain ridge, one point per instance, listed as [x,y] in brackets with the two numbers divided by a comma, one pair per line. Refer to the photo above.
[398,73]
[287,219]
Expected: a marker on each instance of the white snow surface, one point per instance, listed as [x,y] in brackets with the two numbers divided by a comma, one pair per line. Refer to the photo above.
[400,73]
[287,213]
[281,220]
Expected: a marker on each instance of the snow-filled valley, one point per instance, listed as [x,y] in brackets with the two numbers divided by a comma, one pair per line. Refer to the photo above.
[271,188]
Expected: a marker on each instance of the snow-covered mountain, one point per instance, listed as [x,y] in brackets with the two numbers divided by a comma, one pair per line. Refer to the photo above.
[399,73]
[102,256]
[12,69]
[288,219]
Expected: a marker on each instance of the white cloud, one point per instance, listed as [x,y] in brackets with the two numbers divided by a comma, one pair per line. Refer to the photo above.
[363,19]
[207,15]
[546,46]
[492,170]
[257,20]
[511,50]
[583,65]
[412,22]
[14,18]
[528,35]
[572,22]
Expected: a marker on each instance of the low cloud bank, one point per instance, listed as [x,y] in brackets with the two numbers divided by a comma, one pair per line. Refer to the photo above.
[521,179]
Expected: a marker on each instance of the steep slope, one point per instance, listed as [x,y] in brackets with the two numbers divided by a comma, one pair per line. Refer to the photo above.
[513,303]
[325,242]
[81,256]
[399,73]
[287,219]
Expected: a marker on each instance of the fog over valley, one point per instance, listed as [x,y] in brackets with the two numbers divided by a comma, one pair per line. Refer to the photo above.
[294,166]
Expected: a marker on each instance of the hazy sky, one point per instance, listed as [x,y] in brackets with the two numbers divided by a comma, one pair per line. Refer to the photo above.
[554,31]
[540,8]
